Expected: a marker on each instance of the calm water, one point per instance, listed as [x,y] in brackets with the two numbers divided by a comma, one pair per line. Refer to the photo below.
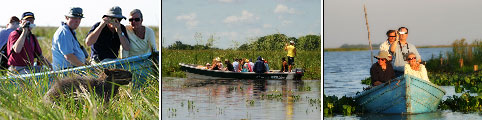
[343,72]
[184,98]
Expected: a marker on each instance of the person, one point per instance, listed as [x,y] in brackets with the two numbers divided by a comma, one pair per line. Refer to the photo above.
[381,71]
[229,66]
[11,26]
[66,49]
[259,66]
[251,65]
[245,68]
[23,48]
[400,49]
[248,65]
[284,65]
[414,68]
[266,64]
[291,54]
[105,37]
[216,64]
[236,65]
[142,38]
[391,37]
[208,66]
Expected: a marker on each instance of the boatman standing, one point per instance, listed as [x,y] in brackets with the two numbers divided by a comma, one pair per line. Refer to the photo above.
[291,54]
[400,49]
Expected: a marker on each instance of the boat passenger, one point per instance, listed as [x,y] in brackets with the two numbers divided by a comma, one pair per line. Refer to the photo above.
[67,52]
[208,66]
[11,26]
[106,37]
[291,49]
[251,65]
[414,68]
[259,66]
[266,64]
[245,68]
[142,38]
[229,66]
[381,71]
[23,47]
[236,65]
[284,65]
[392,35]
[400,49]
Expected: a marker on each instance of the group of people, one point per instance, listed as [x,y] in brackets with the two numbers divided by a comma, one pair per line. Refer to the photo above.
[260,66]
[405,60]
[108,40]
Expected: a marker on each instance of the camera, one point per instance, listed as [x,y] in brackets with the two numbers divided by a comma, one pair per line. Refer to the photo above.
[27,25]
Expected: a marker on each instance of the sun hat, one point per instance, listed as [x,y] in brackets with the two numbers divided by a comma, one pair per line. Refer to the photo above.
[75,12]
[292,42]
[115,11]
[218,59]
[382,54]
[26,15]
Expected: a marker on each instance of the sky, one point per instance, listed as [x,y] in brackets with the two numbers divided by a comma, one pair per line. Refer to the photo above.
[51,12]
[430,22]
[237,21]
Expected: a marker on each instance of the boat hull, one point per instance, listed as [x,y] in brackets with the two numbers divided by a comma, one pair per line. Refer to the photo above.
[411,96]
[199,73]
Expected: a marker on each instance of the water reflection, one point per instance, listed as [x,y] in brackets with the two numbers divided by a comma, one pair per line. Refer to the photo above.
[240,99]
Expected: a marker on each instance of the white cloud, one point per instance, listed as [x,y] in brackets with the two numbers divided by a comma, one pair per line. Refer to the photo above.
[226,1]
[190,19]
[280,8]
[228,35]
[267,25]
[286,22]
[254,32]
[245,17]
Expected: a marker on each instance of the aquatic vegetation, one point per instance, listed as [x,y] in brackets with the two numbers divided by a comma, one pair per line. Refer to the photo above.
[250,102]
[465,103]
[367,81]
[344,106]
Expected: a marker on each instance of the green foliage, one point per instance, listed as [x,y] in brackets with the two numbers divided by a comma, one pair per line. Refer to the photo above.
[465,103]
[461,50]
[308,60]
[278,41]
[461,81]
[367,81]
[345,105]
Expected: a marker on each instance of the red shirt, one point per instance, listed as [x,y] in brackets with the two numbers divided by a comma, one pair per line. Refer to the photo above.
[26,56]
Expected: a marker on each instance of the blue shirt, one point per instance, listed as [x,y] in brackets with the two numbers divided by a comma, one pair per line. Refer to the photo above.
[64,43]
[4,36]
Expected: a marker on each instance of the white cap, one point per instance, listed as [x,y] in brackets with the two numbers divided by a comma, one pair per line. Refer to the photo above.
[292,41]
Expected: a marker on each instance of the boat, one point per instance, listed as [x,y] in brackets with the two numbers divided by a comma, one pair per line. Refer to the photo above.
[193,71]
[141,67]
[403,95]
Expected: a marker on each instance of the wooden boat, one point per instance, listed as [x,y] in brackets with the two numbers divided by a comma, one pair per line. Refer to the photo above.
[412,95]
[193,71]
[141,66]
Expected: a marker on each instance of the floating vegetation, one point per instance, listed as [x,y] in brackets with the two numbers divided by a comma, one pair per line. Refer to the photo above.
[465,103]
[190,105]
[172,112]
[250,102]
[304,88]
[272,96]
[333,106]
[367,81]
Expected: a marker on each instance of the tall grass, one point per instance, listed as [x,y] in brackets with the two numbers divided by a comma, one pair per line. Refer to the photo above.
[308,60]
[470,54]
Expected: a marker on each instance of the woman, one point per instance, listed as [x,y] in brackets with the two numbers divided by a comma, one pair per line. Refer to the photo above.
[142,39]
[381,72]
[414,68]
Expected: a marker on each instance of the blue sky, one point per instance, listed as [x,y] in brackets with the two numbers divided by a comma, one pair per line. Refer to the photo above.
[237,21]
[51,12]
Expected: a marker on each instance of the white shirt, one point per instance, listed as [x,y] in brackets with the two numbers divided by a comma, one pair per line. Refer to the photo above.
[422,74]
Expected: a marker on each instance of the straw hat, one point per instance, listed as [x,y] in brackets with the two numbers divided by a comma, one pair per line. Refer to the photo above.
[382,54]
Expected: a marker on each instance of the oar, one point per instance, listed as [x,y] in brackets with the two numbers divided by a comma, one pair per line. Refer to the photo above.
[368,28]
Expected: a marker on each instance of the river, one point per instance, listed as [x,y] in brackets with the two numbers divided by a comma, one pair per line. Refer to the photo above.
[343,72]
[189,99]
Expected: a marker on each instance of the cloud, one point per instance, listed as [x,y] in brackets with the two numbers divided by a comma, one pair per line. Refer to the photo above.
[286,22]
[228,35]
[190,19]
[280,8]
[226,1]
[245,17]
[267,25]
[254,32]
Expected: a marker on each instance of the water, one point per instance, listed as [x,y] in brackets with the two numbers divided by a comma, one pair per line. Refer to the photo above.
[184,98]
[343,72]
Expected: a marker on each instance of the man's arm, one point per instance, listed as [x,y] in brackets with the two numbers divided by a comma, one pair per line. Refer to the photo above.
[94,35]
[73,60]
[122,36]
[18,45]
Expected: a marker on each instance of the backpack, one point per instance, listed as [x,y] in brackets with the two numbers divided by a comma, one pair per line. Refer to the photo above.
[3,58]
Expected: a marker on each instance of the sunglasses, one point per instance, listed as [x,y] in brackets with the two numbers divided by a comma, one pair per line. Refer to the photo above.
[382,59]
[401,33]
[135,19]
[412,58]
[392,36]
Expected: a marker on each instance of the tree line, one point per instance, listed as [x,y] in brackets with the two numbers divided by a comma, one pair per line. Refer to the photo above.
[269,42]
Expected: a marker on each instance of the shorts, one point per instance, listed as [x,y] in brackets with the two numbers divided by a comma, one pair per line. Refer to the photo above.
[291,60]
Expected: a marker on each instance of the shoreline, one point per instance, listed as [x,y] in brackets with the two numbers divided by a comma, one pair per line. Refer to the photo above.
[361,49]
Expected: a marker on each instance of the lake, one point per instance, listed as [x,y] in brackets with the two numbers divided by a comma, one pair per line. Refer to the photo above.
[343,72]
[184,98]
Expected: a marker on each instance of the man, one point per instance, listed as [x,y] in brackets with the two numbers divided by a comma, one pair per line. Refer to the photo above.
[11,26]
[391,37]
[291,54]
[381,71]
[400,49]
[23,47]
[105,37]
[236,65]
[66,50]
[259,66]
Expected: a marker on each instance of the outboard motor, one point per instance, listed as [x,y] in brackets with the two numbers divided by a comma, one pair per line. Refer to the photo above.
[299,73]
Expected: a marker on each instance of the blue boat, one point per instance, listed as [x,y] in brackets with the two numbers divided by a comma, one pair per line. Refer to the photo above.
[141,66]
[411,96]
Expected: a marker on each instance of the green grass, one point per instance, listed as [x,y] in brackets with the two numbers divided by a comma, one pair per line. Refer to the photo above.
[309,60]
[23,99]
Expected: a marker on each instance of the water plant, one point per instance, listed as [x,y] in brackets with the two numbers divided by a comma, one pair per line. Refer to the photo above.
[465,103]
[344,106]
